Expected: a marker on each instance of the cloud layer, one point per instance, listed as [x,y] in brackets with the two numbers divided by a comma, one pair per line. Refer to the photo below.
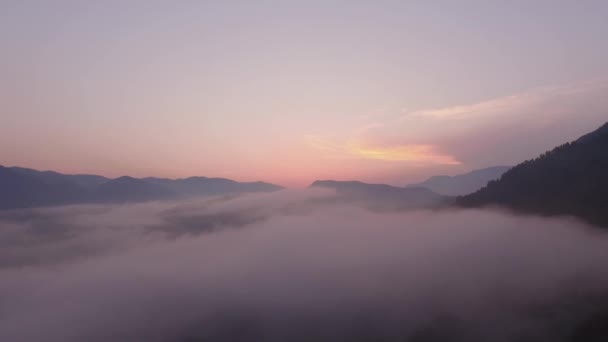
[294,266]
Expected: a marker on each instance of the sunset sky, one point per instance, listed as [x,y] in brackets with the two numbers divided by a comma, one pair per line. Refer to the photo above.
[292,91]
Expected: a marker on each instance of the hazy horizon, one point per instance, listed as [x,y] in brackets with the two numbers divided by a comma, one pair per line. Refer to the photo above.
[298,186]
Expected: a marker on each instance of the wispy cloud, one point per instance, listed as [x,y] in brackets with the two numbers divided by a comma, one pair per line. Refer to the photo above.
[505,104]
[501,130]
[535,105]
[474,109]
[411,153]
[419,154]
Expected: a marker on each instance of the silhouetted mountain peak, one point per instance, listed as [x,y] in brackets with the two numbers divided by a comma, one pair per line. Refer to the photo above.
[125,179]
[208,179]
[331,183]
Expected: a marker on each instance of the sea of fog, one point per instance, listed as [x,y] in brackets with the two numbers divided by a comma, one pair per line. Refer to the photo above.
[294,266]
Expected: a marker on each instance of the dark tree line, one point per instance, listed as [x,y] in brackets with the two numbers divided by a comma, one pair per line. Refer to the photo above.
[571,179]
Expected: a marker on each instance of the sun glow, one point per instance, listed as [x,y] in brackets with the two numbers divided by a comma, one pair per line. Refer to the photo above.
[419,154]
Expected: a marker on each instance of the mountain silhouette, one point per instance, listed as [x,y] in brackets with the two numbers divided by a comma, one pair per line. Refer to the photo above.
[52,177]
[27,188]
[203,186]
[571,179]
[20,190]
[129,189]
[383,195]
[462,184]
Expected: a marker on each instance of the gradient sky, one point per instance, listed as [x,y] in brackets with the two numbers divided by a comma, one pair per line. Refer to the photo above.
[292,91]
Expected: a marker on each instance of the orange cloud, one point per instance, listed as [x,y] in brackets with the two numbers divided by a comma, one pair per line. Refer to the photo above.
[419,154]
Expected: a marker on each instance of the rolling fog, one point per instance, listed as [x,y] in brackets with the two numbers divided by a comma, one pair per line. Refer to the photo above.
[294,266]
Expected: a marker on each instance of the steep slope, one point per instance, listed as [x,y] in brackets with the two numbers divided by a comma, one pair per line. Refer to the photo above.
[462,184]
[382,195]
[572,179]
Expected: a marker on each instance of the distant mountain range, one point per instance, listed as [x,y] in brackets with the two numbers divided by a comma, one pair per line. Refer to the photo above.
[462,184]
[203,186]
[25,188]
[571,179]
[382,196]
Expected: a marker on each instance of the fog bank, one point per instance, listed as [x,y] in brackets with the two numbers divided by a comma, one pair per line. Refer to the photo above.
[294,266]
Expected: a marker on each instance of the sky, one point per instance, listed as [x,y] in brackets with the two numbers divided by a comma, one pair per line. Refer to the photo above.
[292,91]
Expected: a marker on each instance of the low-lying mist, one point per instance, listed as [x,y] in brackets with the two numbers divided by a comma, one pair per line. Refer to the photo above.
[295,266]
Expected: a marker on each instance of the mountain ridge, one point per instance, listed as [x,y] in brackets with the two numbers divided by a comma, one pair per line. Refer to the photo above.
[383,195]
[571,179]
[25,188]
